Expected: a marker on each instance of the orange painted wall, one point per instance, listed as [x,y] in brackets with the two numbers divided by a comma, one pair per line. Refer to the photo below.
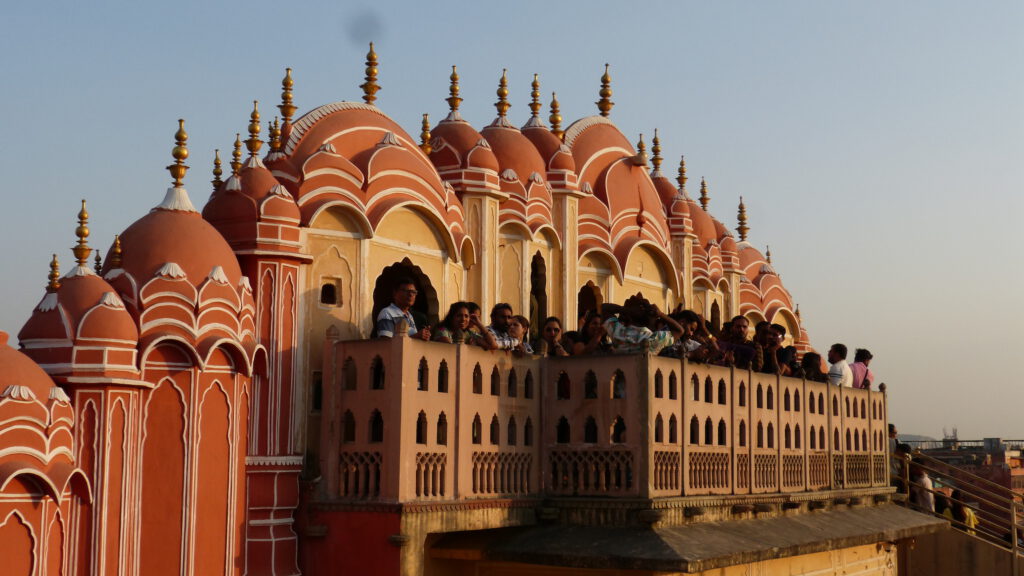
[356,544]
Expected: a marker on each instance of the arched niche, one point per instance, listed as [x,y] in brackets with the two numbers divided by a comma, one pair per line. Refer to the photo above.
[424,309]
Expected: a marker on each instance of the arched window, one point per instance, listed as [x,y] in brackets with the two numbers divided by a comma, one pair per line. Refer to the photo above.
[659,385]
[760,396]
[513,384]
[478,380]
[477,431]
[787,437]
[495,382]
[511,437]
[835,406]
[709,431]
[821,403]
[849,445]
[659,429]
[348,427]
[760,435]
[528,385]
[618,385]
[673,384]
[771,435]
[723,394]
[423,375]
[442,430]
[442,377]
[743,394]
[847,407]
[673,430]
[770,398]
[695,384]
[330,293]
[863,409]
[708,390]
[786,401]
[864,440]
[810,402]
[811,439]
[377,376]
[743,433]
[796,401]
[590,431]
[590,385]
[618,431]
[796,437]
[495,431]
[856,441]
[821,438]
[855,411]
[421,428]
[562,431]
[564,386]
[376,427]
[723,437]
[836,444]
[528,433]
[348,372]
[694,431]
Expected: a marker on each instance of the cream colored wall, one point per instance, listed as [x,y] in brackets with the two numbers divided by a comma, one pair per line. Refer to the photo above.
[645,273]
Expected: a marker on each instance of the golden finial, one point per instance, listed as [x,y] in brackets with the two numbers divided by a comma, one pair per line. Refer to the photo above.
[98,260]
[502,104]
[286,107]
[605,103]
[217,171]
[370,87]
[425,135]
[253,142]
[54,275]
[236,155]
[768,254]
[656,150]
[115,253]
[741,215]
[535,103]
[556,118]
[704,194]
[681,176]
[798,313]
[180,153]
[82,250]
[274,134]
[453,89]
[641,152]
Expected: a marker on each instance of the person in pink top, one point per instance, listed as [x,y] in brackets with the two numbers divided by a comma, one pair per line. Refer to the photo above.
[862,375]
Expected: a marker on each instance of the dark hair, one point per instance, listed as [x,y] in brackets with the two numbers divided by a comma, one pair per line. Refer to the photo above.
[587,319]
[501,306]
[551,319]
[473,307]
[687,316]
[840,349]
[403,281]
[738,317]
[452,310]
[762,325]
[811,360]
[523,321]
[861,355]
[892,427]
[779,328]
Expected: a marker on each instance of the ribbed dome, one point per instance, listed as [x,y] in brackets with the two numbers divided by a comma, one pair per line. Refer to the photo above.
[83,296]
[20,370]
[470,148]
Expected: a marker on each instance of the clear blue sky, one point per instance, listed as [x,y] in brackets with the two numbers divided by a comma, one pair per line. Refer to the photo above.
[878,145]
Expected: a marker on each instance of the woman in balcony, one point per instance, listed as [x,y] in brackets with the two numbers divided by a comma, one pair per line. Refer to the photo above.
[460,327]
[549,342]
[590,339]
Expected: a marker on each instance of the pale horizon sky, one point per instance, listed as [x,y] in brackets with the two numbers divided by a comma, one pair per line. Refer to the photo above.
[877,145]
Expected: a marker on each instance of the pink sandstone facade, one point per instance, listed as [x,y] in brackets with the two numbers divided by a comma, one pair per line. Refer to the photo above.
[206,399]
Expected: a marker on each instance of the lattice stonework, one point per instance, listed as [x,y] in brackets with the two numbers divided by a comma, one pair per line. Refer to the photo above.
[502,472]
[881,470]
[742,471]
[591,471]
[430,474]
[360,474]
[766,471]
[709,470]
[858,470]
[666,470]
[792,471]
[817,470]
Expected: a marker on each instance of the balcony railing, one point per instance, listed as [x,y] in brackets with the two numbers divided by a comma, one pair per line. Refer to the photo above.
[406,420]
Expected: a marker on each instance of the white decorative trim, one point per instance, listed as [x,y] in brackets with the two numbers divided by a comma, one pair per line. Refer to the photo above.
[78,271]
[536,178]
[110,300]
[580,126]
[502,122]
[254,162]
[115,273]
[453,116]
[766,269]
[302,125]
[171,270]
[57,393]
[657,174]
[327,147]
[587,188]
[534,122]
[389,139]
[233,184]
[509,175]
[49,302]
[177,200]
[275,156]
[273,460]
[243,283]
[564,149]
[18,392]
[483,143]
[217,275]
[279,190]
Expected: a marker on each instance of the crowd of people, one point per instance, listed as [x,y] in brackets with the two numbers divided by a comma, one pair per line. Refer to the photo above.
[636,326]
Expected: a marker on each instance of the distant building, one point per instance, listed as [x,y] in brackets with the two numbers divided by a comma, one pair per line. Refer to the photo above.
[206,399]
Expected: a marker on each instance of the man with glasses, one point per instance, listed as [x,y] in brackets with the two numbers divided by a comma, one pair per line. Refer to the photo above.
[402,300]
[501,317]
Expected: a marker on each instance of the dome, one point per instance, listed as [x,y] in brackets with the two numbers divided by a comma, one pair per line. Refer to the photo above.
[84,307]
[456,144]
[666,191]
[556,156]
[20,371]
[175,232]
[514,151]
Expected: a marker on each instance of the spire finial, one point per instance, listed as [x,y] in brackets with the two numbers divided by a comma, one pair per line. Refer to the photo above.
[535,104]
[274,134]
[656,150]
[98,260]
[556,118]
[217,170]
[798,313]
[605,103]
[741,216]
[82,250]
[115,253]
[236,155]
[502,104]
[641,152]
[425,135]
[768,254]
[453,89]
[681,176]
[704,194]
[286,107]
[54,275]
[370,87]
[253,142]
[180,153]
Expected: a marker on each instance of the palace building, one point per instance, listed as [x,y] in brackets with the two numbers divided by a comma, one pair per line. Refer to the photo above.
[208,399]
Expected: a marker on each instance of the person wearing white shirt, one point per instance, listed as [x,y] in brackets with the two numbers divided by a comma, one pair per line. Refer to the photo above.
[839,372]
